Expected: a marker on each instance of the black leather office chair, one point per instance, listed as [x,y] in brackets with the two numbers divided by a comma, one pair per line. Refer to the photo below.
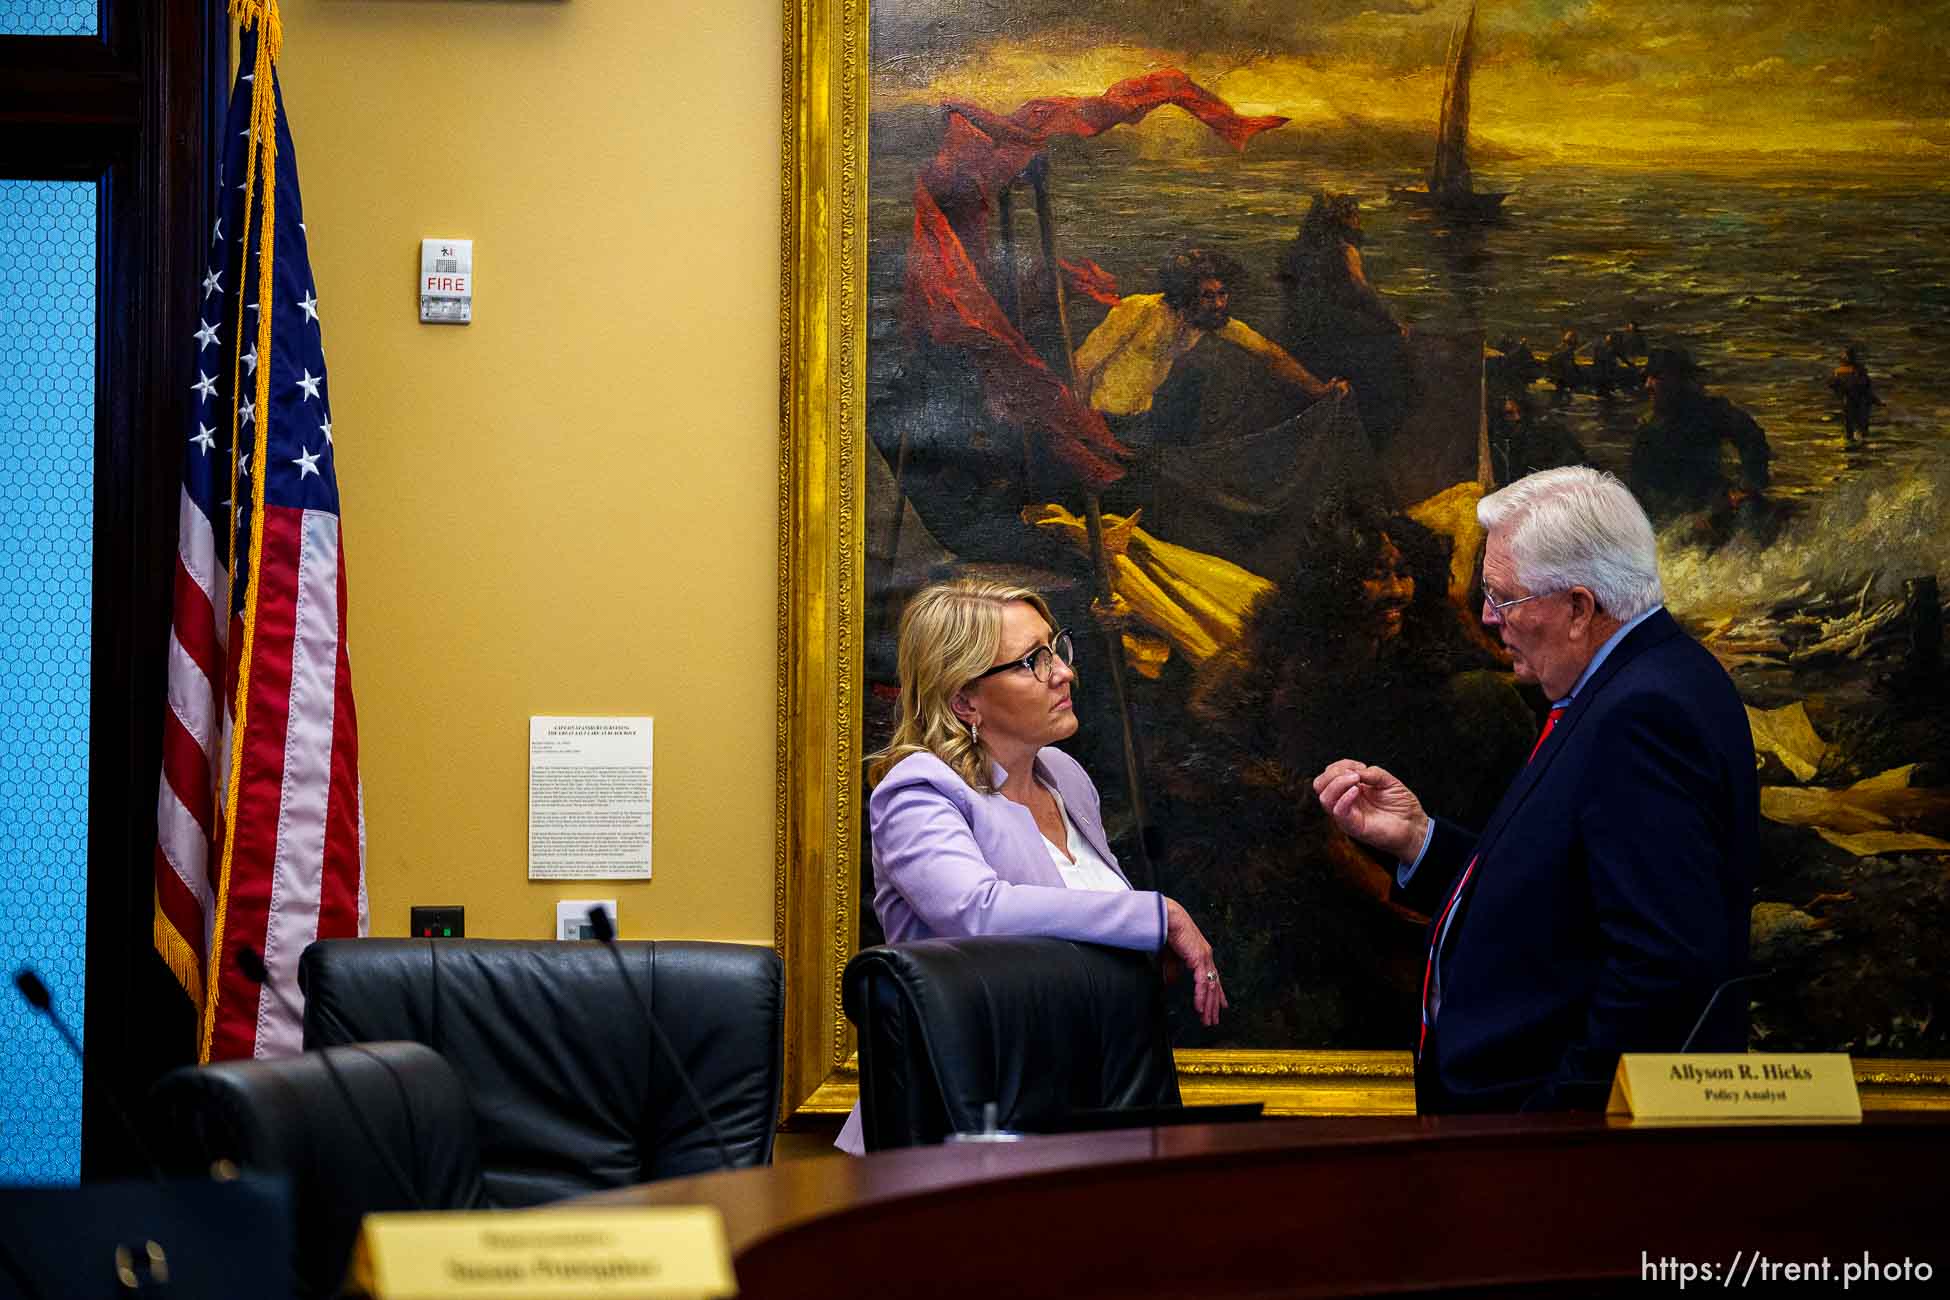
[1043,1028]
[569,1091]
[288,1118]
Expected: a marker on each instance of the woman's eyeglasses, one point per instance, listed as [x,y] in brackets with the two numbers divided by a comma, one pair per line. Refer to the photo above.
[1038,661]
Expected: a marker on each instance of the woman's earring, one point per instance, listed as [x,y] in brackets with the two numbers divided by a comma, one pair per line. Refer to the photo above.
[974,734]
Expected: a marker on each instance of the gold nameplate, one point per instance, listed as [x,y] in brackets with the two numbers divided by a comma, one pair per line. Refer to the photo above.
[491,1254]
[1735,1086]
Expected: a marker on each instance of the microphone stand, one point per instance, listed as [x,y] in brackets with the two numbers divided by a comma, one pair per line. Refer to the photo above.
[252,965]
[39,998]
[1714,1001]
[605,932]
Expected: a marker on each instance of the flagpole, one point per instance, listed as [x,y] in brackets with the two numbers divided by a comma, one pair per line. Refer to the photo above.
[1108,603]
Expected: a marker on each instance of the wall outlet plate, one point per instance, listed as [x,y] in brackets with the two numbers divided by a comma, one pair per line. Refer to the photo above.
[572,917]
[439,923]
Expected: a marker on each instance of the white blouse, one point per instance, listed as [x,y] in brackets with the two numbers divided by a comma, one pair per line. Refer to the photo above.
[1088,870]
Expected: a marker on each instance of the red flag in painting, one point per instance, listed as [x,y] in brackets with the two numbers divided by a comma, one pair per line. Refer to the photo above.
[982,152]
[260,832]
[1092,281]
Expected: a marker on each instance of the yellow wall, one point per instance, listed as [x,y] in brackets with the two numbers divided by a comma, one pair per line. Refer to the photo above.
[567,506]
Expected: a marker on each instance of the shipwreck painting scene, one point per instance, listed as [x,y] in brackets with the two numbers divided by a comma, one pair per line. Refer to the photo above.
[1214,321]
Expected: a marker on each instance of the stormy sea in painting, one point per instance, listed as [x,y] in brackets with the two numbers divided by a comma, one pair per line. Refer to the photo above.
[1819,594]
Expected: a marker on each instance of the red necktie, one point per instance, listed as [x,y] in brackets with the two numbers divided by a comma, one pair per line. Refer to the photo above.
[1557,711]
[1455,896]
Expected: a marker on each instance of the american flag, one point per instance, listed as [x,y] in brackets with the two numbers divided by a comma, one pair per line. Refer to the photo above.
[260,742]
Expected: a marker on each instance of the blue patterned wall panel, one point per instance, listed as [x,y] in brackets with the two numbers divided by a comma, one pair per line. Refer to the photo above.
[49,17]
[47,438]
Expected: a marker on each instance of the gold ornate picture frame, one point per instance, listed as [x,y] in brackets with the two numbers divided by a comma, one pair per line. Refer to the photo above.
[822,604]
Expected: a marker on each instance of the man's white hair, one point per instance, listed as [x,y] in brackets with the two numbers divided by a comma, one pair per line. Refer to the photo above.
[1578,527]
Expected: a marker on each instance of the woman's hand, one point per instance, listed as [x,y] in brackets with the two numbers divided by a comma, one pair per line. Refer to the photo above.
[1371,805]
[1182,937]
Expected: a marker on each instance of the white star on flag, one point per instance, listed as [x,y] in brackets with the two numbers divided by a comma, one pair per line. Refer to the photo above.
[205,386]
[204,438]
[212,283]
[310,385]
[306,461]
[216,235]
[205,336]
[250,360]
[249,411]
[326,429]
[309,305]
[244,464]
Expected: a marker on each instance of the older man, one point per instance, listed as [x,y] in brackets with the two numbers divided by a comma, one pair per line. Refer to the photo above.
[1607,899]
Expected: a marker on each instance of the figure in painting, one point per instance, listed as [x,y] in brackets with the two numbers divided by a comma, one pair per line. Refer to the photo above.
[1509,369]
[1336,320]
[1676,452]
[1524,440]
[1133,353]
[1362,641]
[1610,371]
[1562,366]
[1631,343]
[1851,384]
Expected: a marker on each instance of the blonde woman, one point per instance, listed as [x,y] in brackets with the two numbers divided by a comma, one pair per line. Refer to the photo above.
[978,825]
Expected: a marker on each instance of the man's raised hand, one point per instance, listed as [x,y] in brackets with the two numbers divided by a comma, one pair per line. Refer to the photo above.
[1373,807]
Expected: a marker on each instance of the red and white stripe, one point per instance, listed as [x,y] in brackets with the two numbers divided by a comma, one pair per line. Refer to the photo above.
[297,869]
[193,739]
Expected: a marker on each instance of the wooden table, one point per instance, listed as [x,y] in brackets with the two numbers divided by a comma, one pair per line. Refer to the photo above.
[1308,1207]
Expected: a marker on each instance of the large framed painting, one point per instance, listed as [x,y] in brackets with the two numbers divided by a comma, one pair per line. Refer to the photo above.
[1213,322]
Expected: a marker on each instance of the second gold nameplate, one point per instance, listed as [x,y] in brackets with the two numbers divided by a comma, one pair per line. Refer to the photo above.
[1735,1086]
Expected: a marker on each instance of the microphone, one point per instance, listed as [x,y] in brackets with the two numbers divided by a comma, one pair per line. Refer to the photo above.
[1577,1085]
[1713,1001]
[251,963]
[39,998]
[605,932]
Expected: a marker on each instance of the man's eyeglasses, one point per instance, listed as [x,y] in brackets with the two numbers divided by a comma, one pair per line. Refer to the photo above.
[1498,606]
[1038,661]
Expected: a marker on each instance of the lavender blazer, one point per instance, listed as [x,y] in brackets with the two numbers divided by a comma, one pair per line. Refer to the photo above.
[948,861]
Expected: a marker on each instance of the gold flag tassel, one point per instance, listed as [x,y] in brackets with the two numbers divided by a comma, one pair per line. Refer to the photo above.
[177,954]
[263,16]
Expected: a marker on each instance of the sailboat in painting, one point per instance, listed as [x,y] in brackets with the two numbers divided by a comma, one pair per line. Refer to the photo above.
[1449,190]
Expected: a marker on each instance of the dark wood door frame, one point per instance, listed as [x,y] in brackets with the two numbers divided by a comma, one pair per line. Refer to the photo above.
[138,111]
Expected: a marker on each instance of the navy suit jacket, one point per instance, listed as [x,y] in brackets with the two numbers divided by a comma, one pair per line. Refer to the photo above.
[1612,894]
